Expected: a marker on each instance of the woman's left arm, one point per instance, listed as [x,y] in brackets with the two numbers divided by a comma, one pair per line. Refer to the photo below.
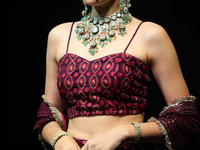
[164,63]
[178,120]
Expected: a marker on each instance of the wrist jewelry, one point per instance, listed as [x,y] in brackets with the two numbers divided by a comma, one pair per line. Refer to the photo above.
[57,137]
[138,131]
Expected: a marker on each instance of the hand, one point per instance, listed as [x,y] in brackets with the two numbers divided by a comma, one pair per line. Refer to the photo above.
[110,139]
[66,143]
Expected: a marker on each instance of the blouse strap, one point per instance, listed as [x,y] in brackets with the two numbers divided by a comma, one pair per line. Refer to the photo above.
[133,35]
[69,36]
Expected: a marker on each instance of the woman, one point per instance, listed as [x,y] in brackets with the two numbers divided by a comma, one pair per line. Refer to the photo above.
[97,75]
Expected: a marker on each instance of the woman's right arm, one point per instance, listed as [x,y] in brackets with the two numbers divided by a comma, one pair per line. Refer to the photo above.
[51,91]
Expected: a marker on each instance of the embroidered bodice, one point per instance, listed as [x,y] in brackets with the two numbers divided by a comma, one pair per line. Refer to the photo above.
[111,85]
[115,84]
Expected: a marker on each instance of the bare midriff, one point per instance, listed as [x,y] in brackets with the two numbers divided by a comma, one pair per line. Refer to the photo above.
[88,127]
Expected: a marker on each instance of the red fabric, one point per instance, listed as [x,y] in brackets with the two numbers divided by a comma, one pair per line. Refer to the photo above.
[112,85]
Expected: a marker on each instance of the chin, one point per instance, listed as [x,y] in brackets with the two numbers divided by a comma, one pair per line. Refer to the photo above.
[96,2]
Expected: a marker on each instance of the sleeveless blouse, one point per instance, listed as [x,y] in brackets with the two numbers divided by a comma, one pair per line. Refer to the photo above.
[115,84]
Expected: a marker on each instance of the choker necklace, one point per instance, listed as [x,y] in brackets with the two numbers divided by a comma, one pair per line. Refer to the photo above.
[101,30]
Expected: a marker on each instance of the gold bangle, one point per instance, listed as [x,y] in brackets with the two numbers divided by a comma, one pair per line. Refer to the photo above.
[137,131]
[58,136]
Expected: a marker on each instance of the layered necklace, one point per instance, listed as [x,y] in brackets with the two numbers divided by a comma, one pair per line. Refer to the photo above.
[98,31]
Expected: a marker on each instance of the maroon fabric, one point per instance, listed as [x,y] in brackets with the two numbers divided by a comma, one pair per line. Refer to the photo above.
[112,85]
[44,116]
[182,123]
[125,145]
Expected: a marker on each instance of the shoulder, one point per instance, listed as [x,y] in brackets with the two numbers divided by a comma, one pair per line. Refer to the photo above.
[153,33]
[59,31]
[57,37]
[157,43]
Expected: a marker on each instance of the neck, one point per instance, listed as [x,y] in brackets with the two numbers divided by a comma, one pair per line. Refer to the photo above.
[106,9]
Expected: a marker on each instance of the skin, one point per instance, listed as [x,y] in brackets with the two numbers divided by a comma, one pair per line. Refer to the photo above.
[151,44]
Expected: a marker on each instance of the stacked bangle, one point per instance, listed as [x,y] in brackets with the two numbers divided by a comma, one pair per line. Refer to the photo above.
[137,130]
[58,136]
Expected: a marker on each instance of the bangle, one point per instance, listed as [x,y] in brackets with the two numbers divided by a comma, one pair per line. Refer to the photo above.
[58,136]
[137,130]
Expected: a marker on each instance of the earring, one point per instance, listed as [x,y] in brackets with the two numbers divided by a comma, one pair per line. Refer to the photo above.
[84,12]
[125,5]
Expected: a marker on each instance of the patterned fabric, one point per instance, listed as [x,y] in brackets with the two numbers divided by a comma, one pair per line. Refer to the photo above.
[125,145]
[182,123]
[115,84]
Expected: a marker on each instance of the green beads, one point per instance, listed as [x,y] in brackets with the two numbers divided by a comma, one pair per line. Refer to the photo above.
[102,44]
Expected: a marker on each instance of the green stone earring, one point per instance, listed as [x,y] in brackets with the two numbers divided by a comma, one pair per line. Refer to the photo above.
[84,12]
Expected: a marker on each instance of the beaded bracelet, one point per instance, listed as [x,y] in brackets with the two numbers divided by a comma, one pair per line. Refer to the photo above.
[58,136]
[138,131]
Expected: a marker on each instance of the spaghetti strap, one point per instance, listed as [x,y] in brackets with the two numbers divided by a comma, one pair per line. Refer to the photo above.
[133,36]
[69,37]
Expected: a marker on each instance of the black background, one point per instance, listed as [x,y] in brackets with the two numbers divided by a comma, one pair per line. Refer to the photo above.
[28,25]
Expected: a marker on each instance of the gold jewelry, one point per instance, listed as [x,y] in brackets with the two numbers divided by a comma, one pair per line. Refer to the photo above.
[137,130]
[84,12]
[101,30]
[57,137]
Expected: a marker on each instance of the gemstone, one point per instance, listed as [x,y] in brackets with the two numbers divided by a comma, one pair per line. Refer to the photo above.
[95,21]
[107,20]
[125,10]
[93,44]
[129,19]
[92,52]
[122,33]
[101,22]
[81,31]
[85,43]
[105,26]
[91,19]
[95,29]
[111,33]
[102,44]
[102,37]
[109,39]
[113,24]
[114,17]
[82,19]
[124,18]
[79,38]
[122,27]
[86,36]
[119,21]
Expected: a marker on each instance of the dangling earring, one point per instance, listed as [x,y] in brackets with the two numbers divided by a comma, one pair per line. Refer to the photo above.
[125,5]
[84,12]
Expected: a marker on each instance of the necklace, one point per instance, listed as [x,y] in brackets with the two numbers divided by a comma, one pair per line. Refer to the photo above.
[98,31]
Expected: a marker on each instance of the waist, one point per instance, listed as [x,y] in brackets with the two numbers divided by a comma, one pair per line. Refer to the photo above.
[88,127]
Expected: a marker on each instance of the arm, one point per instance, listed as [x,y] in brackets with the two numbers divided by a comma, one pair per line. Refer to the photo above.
[166,70]
[53,127]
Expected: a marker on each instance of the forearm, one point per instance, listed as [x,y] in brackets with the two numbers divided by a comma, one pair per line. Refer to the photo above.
[50,130]
[177,122]
[150,133]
